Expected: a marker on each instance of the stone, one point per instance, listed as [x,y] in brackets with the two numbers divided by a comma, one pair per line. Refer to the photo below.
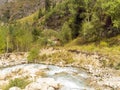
[2,82]
[43,84]
[49,81]
[2,77]
[51,88]
[14,88]
[33,86]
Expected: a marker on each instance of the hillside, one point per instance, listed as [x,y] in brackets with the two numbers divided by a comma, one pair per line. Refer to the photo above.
[75,33]
[18,9]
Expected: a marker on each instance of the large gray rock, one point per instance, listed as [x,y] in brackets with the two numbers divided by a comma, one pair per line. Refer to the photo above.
[14,88]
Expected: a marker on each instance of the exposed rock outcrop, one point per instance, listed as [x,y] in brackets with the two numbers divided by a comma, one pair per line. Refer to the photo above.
[11,59]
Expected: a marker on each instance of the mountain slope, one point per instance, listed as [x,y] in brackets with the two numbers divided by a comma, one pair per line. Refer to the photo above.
[18,9]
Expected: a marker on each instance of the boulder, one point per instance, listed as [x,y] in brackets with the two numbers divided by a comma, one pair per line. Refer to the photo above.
[43,84]
[33,86]
[3,82]
[49,81]
[38,86]
[50,88]
[14,88]
[2,77]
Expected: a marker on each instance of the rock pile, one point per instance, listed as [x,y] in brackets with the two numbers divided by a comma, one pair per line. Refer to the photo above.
[11,59]
[41,84]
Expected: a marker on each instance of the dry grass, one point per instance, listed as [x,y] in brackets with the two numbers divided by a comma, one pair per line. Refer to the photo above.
[103,48]
[29,18]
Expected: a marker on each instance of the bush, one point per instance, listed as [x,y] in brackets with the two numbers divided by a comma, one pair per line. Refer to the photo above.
[50,33]
[65,34]
[33,55]
[63,56]
[18,82]
[88,31]
[42,41]
[118,66]
[103,44]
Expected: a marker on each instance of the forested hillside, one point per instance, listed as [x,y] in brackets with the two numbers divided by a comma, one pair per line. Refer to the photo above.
[59,44]
[26,24]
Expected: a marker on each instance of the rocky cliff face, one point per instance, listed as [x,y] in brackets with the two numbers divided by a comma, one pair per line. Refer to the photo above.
[10,10]
[16,9]
[2,2]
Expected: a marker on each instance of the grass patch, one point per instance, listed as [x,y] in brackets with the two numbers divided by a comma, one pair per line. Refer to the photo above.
[18,82]
[103,48]
[29,19]
[33,55]
[57,57]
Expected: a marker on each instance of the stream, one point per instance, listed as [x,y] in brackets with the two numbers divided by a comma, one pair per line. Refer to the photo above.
[71,78]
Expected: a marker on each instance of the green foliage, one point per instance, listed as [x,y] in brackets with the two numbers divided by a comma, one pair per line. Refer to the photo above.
[47,5]
[65,57]
[90,20]
[40,13]
[33,55]
[88,30]
[50,33]
[21,37]
[57,57]
[65,34]
[112,8]
[36,34]
[2,39]
[18,82]
[69,10]
[103,44]
[43,41]
[17,10]
[118,66]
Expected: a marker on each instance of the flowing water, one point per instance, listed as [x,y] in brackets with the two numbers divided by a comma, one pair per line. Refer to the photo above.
[71,78]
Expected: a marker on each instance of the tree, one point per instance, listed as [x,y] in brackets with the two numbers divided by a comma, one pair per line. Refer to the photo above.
[39,13]
[47,5]
[2,40]
[21,36]
[65,34]
[77,10]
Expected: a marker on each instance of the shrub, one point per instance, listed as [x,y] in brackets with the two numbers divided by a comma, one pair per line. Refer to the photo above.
[42,41]
[65,34]
[33,55]
[118,66]
[50,33]
[18,82]
[103,44]
[62,56]
[88,31]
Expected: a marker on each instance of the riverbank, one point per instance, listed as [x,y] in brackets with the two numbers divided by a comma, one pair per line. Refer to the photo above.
[100,77]
[12,59]
[40,76]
